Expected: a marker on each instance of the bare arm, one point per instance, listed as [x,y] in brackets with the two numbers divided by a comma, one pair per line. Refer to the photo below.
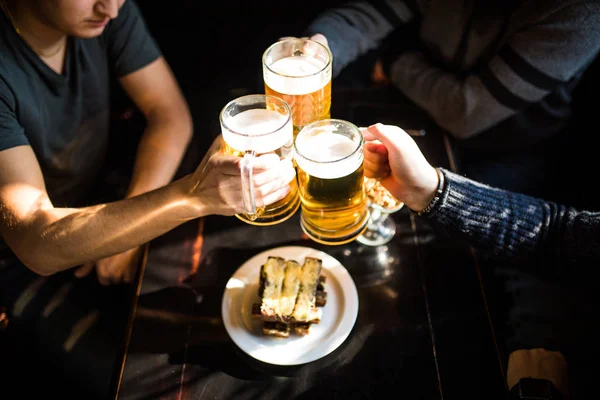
[48,239]
[156,93]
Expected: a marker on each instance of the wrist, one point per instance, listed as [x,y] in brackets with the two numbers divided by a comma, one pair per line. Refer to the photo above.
[192,202]
[427,192]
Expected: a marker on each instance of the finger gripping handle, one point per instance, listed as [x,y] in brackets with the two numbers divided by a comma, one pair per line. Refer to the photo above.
[247,186]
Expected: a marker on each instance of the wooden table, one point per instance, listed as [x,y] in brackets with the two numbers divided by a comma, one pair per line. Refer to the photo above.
[423,330]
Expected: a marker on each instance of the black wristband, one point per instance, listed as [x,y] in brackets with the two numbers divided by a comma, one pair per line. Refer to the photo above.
[535,389]
[438,194]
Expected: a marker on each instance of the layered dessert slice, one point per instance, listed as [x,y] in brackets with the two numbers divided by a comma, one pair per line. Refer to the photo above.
[291,295]
[271,282]
[291,287]
[306,309]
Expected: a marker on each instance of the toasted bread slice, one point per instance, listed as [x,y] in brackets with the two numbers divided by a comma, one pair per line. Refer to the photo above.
[306,309]
[289,292]
[291,296]
[271,282]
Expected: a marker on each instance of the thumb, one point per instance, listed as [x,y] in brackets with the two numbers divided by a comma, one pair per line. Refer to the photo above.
[389,135]
[317,37]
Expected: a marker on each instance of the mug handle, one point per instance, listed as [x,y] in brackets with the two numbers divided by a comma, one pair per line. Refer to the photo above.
[247,186]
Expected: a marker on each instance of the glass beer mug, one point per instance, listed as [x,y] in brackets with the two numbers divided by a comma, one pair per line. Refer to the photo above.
[299,72]
[330,173]
[253,125]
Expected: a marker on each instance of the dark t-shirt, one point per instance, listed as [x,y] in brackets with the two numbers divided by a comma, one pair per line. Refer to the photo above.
[65,118]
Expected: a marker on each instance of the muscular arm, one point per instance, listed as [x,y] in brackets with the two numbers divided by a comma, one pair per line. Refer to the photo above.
[168,130]
[49,239]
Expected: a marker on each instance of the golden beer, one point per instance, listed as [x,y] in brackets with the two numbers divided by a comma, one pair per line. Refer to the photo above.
[299,72]
[254,125]
[329,160]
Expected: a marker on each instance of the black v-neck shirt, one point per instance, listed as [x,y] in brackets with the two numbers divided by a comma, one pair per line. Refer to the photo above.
[65,117]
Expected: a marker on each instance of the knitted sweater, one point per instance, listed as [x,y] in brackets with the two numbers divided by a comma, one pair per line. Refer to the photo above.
[472,68]
[546,239]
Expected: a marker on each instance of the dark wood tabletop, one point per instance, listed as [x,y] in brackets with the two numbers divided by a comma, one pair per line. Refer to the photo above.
[423,330]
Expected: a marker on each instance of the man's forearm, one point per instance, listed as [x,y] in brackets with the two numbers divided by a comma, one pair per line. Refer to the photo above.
[355,28]
[463,107]
[64,238]
[160,151]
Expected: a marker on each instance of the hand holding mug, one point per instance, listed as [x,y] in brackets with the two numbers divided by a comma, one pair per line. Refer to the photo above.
[392,156]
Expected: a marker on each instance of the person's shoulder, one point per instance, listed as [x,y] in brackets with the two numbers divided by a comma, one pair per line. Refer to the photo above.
[128,13]
[9,72]
[129,8]
[6,54]
[128,18]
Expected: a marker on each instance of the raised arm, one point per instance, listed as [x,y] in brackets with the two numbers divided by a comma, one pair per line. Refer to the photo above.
[535,61]
[539,236]
[148,80]
[168,131]
[355,28]
[168,125]
[49,239]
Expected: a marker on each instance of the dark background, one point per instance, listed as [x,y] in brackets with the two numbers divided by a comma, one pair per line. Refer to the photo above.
[215,48]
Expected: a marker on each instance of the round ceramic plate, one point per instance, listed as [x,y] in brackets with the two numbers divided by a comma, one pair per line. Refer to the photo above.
[339,313]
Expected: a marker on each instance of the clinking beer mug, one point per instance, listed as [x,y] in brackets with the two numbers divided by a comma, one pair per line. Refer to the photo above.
[253,125]
[298,70]
[330,173]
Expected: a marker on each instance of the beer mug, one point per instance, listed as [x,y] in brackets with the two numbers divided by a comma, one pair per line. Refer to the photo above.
[330,173]
[253,125]
[299,72]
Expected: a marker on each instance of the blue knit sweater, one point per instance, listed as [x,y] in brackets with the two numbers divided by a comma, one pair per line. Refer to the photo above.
[547,239]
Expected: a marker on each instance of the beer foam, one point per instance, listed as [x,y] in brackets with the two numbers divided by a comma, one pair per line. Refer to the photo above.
[325,155]
[297,75]
[259,130]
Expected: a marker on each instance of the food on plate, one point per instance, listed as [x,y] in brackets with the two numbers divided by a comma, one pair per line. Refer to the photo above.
[292,296]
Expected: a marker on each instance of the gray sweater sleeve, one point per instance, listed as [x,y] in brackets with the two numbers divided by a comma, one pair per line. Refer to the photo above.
[538,56]
[534,61]
[357,27]
[541,237]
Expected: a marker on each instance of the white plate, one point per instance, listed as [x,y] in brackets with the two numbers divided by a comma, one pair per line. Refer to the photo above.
[339,313]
